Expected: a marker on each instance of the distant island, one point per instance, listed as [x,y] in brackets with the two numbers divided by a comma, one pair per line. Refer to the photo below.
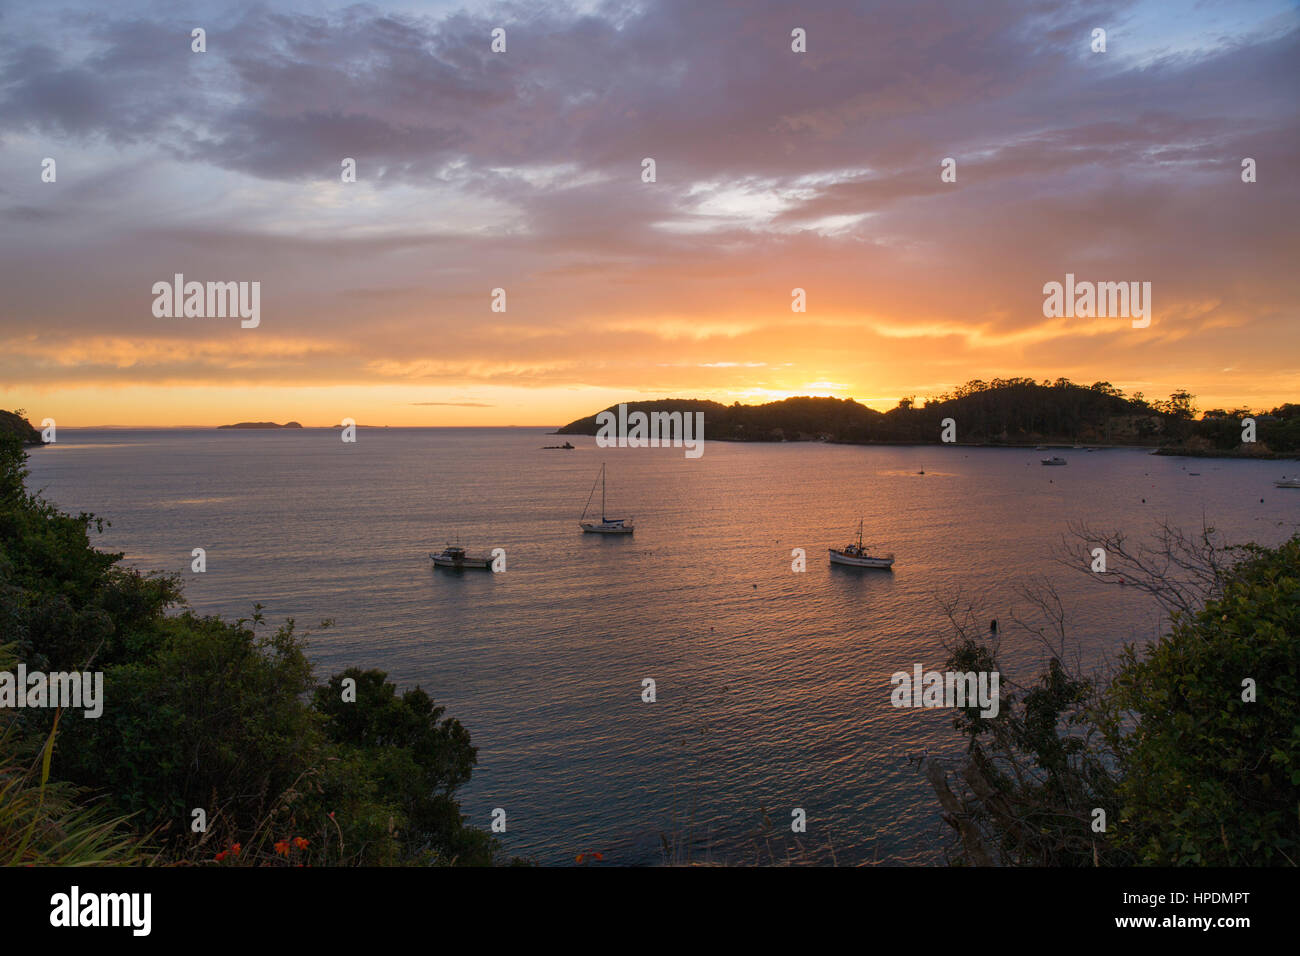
[261,425]
[1016,411]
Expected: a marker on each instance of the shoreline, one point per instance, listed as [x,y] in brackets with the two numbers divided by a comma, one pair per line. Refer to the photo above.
[1060,445]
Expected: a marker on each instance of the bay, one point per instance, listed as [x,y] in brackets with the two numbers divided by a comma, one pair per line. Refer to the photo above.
[772,687]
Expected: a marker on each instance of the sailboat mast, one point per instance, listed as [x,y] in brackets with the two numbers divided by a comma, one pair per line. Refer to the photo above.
[591,494]
[602,493]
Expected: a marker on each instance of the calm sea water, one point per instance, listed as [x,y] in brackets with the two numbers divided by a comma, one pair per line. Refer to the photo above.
[772,686]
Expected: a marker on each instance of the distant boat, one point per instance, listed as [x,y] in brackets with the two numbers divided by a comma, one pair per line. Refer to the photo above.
[605,525]
[454,556]
[1286,482]
[857,555]
[1054,460]
[567,446]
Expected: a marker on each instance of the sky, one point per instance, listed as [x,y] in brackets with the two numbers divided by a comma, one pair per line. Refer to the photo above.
[523,170]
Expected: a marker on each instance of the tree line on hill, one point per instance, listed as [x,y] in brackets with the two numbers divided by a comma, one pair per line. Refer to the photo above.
[1002,411]
[15,424]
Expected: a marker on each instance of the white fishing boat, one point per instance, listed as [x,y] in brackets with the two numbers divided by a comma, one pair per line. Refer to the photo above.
[606,524]
[1054,460]
[856,555]
[454,556]
[1285,482]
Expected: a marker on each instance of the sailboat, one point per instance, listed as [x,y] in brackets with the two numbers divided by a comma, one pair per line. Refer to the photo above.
[857,556]
[605,525]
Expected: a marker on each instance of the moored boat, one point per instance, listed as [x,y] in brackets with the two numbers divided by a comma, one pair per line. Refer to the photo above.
[606,524]
[1285,482]
[858,556]
[453,556]
[1054,460]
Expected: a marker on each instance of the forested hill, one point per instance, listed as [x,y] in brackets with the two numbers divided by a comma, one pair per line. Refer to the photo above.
[793,419]
[1011,411]
[16,424]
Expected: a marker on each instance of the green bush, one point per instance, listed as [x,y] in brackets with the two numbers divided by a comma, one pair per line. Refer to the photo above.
[1209,778]
[416,756]
[1187,771]
[48,823]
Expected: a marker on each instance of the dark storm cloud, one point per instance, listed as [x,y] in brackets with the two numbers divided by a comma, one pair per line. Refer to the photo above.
[709,86]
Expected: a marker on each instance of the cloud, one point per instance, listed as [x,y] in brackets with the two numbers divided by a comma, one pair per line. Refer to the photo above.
[456,404]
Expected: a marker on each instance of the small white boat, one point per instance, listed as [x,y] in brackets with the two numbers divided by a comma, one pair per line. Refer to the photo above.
[1054,460]
[1286,482]
[605,525]
[454,556]
[855,555]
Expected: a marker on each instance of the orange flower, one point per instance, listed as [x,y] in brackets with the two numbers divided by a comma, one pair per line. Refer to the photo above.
[282,848]
[236,848]
[300,842]
[221,856]
[600,857]
[578,858]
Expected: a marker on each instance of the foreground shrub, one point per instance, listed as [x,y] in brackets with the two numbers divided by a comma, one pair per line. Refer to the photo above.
[1190,748]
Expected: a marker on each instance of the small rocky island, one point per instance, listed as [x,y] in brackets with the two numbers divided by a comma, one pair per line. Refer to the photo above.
[262,425]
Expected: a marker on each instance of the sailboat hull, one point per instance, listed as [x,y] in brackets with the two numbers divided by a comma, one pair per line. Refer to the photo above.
[839,557]
[460,563]
[604,527]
